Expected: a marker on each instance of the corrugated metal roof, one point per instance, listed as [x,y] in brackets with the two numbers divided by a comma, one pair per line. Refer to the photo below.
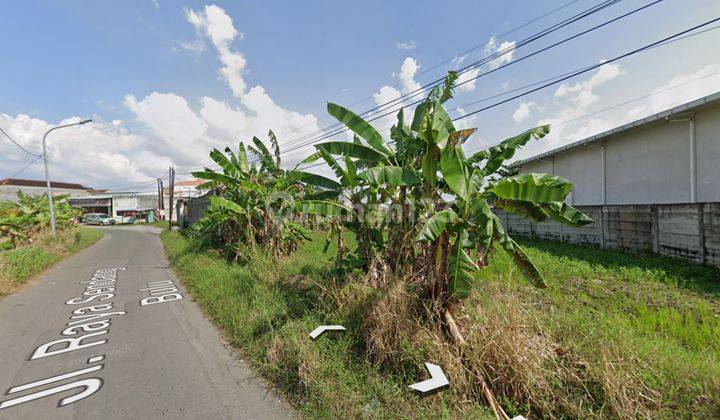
[695,105]
[34,183]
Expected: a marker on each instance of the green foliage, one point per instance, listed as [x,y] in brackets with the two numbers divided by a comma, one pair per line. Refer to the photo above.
[429,170]
[20,221]
[251,202]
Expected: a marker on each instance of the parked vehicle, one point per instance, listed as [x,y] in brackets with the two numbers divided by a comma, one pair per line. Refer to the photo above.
[100,219]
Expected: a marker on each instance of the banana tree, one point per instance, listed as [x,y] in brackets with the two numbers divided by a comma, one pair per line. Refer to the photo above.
[368,173]
[250,199]
[463,223]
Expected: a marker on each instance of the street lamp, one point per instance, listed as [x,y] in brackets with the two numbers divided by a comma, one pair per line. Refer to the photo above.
[47,171]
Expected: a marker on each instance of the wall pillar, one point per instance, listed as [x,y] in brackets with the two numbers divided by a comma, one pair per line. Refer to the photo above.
[693,162]
[701,232]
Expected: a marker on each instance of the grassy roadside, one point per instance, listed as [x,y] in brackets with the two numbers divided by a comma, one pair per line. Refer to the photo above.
[615,335]
[20,264]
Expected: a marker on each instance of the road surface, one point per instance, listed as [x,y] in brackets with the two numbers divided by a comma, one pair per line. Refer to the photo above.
[111,333]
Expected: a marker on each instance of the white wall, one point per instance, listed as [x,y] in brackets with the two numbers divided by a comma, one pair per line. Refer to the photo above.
[707,138]
[646,165]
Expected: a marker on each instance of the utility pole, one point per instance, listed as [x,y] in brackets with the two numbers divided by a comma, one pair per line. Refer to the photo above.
[172,193]
[159,199]
[162,200]
[47,172]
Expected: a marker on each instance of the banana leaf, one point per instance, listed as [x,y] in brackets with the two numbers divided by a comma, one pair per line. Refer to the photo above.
[361,127]
[461,271]
[455,171]
[355,150]
[538,188]
[390,175]
[435,225]
[314,179]
[567,214]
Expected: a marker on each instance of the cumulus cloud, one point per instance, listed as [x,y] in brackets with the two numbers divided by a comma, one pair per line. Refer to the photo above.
[408,69]
[506,49]
[406,46]
[581,93]
[386,94]
[522,111]
[166,127]
[467,80]
[101,153]
[679,90]
[172,118]
[217,25]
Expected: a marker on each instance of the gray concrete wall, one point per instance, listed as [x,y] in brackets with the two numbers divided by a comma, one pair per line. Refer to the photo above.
[651,164]
[688,231]
[196,208]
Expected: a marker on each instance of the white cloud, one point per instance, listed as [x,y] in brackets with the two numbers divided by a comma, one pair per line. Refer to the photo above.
[581,93]
[522,111]
[94,154]
[408,69]
[386,94]
[466,81]
[679,90]
[506,49]
[172,119]
[217,25]
[406,46]
[166,127]
[196,45]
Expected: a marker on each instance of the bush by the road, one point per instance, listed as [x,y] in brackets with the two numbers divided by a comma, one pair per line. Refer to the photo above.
[23,221]
[19,264]
[614,335]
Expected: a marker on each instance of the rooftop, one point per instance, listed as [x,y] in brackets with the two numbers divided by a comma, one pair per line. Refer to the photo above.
[693,106]
[34,183]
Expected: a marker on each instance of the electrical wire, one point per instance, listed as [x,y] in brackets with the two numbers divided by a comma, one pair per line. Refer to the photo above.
[605,23]
[485,60]
[557,79]
[24,168]
[463,53]
[18,144]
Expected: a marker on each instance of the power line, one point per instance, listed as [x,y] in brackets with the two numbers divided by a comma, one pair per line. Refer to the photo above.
[619,57]
[465,52]
[605,23]
[307,139]
[18,144]
[557,79]
[478,63]
[25,167]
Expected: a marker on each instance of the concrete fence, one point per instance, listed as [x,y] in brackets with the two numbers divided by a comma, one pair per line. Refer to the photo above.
[196,209]
[689,231]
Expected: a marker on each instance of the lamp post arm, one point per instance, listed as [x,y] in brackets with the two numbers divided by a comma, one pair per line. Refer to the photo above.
[47,171]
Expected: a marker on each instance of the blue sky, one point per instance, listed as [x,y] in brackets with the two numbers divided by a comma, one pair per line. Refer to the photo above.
[150,77]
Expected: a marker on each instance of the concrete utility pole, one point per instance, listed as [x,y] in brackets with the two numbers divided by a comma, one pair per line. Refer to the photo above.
[172,193]
[47,171]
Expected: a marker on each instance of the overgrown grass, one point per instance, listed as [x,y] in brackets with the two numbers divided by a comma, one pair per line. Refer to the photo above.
[20,264]
[615,335]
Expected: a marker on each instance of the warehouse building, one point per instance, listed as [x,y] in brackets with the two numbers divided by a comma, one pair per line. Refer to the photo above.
[650,185]
[9,188]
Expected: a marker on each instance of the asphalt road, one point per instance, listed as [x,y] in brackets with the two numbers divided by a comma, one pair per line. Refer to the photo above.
[114,357]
